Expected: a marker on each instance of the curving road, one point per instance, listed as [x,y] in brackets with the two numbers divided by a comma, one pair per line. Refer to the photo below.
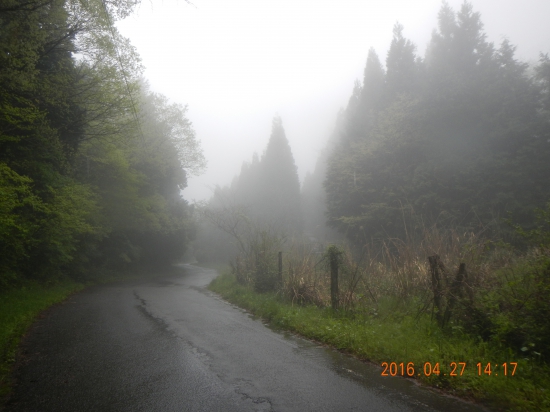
[168,344]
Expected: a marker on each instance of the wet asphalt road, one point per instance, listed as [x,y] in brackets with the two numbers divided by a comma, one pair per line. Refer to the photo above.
[170,345]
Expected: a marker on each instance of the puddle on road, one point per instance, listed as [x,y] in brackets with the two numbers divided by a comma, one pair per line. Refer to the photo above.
[407,391]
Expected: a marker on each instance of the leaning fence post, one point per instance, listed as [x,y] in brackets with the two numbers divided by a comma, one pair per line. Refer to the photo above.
[333,256]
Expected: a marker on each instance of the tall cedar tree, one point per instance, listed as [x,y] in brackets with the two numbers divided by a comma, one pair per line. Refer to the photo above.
[267,188]
[459,137]
[280,186]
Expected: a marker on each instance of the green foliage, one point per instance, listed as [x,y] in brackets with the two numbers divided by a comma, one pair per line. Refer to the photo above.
[18,310]
[15,225]
[86,185]
[63,222]
[539,236]
[264,248]
[457,136]
[170,141]
[387,337]
[37,237]
[515,311]
[138,179]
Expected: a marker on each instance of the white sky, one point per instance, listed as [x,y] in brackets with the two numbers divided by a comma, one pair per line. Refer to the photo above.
[237,63]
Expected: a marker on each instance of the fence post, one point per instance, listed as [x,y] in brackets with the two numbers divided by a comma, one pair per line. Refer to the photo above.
[280,279]
[437,288]
[333,256]
[455,292]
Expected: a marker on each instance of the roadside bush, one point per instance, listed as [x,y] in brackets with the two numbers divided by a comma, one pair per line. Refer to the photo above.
[517,307]
[257,265]
[499,296]
[264,249]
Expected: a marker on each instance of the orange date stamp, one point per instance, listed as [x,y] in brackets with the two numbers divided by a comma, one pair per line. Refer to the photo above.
[451,369]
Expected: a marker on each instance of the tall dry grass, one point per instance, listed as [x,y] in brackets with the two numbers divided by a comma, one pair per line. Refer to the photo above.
[393,268]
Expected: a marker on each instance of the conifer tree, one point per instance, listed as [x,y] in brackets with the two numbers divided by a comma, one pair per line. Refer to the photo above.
[373,81]
[461,135]
[280,186]
[400,64]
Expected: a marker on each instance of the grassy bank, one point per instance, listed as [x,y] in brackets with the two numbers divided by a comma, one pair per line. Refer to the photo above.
[390,336]
[19,307]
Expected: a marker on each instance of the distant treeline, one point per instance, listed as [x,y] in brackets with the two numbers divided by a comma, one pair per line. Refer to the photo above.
[91,161]
[438,175]
[460,137]
[264,197]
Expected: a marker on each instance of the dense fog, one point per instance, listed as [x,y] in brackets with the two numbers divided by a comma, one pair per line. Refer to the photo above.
[237,64]
[373,175]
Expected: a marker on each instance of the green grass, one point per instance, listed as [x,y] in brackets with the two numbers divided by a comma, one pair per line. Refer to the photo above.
[20,306]
[18,310]
[386,337]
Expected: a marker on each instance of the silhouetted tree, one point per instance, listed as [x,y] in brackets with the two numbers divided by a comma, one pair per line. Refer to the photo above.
[400,65]
[279,184]
[461,136]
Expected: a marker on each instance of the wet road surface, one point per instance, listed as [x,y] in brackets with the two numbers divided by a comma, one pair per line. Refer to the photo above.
[168,344]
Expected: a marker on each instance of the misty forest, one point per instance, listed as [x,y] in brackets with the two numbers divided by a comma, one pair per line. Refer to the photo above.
[431,199]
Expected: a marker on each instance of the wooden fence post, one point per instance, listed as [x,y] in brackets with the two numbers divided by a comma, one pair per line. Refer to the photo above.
[280,278]
[333,256]
[437,288]
[455,292]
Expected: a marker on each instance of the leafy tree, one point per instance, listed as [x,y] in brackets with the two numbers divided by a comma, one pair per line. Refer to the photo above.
[139,179]
[15,226]
[84,182]
[40,127]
